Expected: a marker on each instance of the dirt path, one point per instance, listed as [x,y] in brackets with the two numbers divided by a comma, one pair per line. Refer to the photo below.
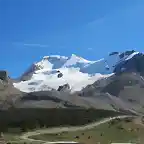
[139,121]
[26,136]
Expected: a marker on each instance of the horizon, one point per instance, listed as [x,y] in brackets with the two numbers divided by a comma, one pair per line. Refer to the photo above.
[32,29]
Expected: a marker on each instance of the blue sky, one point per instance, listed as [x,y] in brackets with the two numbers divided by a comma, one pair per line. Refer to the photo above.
[30,29]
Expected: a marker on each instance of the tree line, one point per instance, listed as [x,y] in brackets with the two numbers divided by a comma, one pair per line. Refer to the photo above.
[32,118]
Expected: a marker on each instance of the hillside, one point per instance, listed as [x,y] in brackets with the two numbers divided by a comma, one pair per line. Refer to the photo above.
[112,83]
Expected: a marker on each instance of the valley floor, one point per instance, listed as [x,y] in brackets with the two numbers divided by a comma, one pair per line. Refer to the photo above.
[117,130]
[121,131]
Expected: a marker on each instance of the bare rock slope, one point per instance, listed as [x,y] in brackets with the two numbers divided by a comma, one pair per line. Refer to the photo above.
[123,92]
[8,93]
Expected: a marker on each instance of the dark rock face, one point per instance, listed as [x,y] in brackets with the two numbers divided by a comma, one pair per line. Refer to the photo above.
[64,87]
[113,53]
[126,53]
[3,75]
[60,75]
[135,64]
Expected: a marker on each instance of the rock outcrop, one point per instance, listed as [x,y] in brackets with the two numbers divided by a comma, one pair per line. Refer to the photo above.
[65,87]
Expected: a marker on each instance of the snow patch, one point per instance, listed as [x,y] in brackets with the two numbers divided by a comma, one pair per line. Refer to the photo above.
[132,55]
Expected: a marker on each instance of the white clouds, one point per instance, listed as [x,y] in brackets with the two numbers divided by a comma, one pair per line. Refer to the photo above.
[90,48]
[35,45]
[31,44]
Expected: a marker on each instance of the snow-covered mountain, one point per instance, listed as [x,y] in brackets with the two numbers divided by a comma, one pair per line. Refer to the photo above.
[54,71]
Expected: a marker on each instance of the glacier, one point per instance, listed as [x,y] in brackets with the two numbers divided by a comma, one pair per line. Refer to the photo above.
[75,70]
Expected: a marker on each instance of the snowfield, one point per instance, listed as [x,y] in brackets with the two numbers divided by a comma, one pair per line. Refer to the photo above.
[54,71]
[47,80]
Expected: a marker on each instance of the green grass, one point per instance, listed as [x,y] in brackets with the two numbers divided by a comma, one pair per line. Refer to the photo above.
[13,137]
[110,133]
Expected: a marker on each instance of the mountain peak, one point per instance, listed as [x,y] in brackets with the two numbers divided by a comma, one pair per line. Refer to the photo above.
[79,58]
[46,71]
